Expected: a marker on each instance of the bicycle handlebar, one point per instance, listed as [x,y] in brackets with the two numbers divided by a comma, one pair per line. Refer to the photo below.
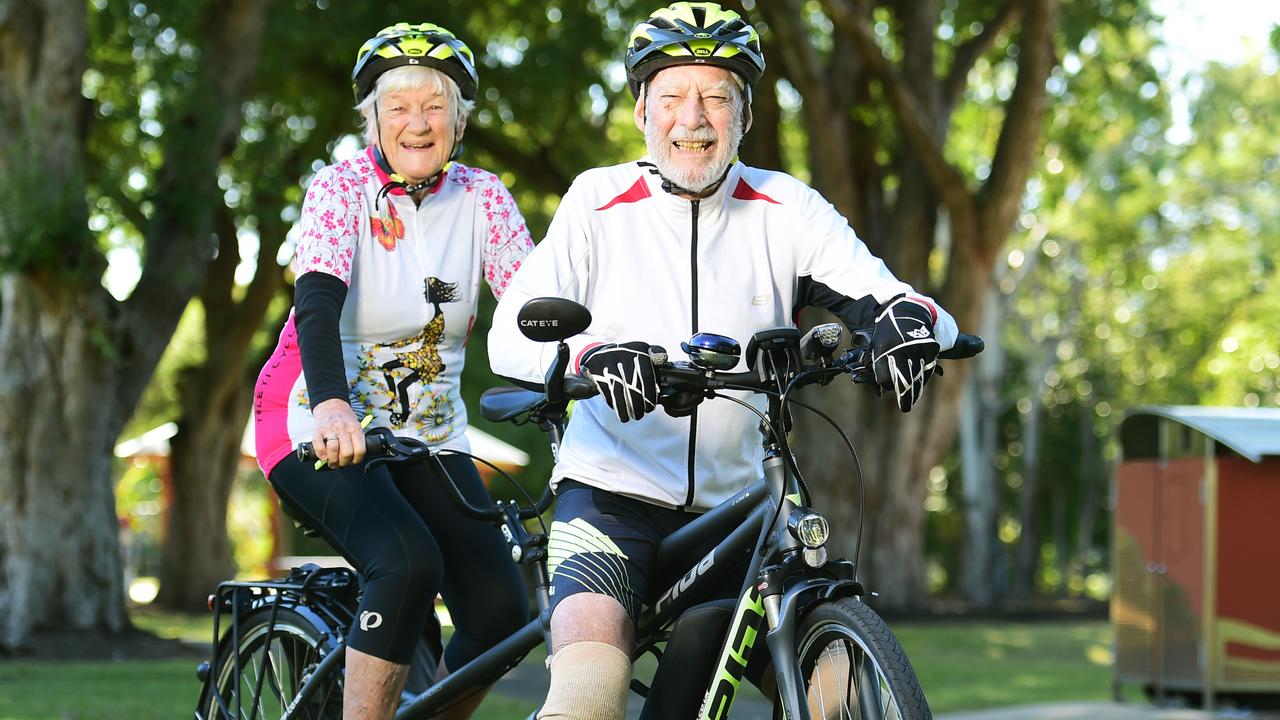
[383,446]
[685,377]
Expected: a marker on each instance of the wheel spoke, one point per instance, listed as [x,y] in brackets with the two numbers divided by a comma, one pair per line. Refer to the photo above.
[272,662]
[846,678]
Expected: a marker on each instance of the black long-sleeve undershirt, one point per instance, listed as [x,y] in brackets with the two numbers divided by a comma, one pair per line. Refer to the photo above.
[317,305]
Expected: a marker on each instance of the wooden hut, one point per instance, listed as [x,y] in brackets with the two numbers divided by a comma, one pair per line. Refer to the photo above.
[1196,552]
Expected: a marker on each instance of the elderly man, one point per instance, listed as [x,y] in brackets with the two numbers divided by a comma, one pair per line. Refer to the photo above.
[684,240]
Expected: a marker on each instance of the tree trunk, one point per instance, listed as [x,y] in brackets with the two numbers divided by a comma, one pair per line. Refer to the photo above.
[891,502]
[983,581]
[76,361]
[1090,482]
[979,440]
[762,145]
[204,457]
[216,397]
[1027,561]
[59,544]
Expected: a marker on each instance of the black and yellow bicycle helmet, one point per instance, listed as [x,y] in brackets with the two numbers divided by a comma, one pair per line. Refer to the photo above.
[414,44]
[692,33]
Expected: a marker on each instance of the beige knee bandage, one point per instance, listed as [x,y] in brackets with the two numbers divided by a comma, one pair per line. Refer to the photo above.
[589,681]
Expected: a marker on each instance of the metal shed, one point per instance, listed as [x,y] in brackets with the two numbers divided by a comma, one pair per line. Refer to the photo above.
[1196,552]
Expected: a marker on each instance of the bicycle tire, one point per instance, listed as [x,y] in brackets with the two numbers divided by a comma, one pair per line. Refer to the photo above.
[274,662]
[854,667]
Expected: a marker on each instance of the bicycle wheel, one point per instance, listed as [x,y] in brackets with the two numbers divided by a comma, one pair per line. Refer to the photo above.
[274,661]
[853,666]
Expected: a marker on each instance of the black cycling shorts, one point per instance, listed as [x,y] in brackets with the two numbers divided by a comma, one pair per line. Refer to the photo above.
[399,529]
[605,543]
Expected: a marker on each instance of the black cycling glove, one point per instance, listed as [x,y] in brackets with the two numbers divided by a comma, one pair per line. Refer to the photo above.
[625,377]
[904,350]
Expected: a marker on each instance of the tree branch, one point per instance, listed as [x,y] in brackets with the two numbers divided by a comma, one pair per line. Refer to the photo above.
[186,194]
[967,54]
[534,167]
[198,135]
[130,209]
[1024,114]
[804,68]
[824,116]
[222,271]
[949,181]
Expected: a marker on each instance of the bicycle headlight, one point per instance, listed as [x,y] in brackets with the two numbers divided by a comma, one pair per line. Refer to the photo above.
[810,528]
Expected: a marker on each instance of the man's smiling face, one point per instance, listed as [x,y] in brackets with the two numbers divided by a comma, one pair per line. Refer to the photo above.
[692,119]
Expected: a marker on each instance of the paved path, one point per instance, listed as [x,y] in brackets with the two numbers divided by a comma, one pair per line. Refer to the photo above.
[1099,711]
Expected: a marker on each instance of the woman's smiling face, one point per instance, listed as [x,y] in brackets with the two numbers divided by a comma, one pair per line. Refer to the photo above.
[416,131]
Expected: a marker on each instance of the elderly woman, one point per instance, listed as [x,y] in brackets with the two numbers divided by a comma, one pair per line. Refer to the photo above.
[392,245]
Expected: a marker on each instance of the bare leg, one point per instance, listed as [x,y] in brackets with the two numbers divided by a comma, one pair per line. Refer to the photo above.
[373,687]
[587,617]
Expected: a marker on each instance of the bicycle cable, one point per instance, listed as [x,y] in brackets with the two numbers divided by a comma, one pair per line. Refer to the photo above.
[532,504]
[785,446]
[857,463]
[788,462]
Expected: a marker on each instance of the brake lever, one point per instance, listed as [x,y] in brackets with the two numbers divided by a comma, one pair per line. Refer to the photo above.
[391,448]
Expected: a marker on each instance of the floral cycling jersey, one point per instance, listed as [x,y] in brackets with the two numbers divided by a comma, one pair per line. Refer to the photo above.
[413,276]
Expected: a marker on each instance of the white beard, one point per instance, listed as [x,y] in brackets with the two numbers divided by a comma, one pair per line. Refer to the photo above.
[694,177]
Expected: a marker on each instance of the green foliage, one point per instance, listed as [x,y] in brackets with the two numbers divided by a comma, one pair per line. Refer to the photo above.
[160,401]
[139,502]
[1143,269]
[1142,266]
[42,228]
[249,523]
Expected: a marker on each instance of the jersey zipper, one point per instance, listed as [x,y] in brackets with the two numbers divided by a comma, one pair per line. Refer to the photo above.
[693,275]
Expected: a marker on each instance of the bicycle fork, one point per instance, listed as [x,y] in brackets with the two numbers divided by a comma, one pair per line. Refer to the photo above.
[763,601]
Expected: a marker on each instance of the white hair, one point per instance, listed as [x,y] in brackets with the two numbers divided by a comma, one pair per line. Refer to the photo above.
[413,77]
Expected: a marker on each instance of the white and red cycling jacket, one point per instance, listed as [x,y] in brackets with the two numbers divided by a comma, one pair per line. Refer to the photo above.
[653,267]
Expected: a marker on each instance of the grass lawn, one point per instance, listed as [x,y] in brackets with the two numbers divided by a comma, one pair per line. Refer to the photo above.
[962,665]
[981,664]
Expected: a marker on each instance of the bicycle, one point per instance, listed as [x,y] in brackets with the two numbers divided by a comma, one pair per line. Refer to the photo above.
[832,655]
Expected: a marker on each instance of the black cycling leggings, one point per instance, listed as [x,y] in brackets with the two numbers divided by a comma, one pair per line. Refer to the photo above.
[408,540]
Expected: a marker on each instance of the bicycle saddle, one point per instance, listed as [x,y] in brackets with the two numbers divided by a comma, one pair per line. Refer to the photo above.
[503,403]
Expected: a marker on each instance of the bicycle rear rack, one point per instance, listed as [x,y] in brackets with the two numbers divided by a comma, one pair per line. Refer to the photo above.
[328,594]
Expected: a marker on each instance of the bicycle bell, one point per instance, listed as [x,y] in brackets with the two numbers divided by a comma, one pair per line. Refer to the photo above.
[712,352]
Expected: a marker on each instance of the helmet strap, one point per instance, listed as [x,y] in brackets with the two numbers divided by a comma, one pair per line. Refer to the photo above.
[670,187]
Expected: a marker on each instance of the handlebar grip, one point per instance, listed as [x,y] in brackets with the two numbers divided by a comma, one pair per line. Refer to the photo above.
[967,345]
[375,444]
[579,387]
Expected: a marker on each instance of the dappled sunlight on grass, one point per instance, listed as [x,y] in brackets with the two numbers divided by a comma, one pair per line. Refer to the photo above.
[967,665]
[188,627]
[1100,655]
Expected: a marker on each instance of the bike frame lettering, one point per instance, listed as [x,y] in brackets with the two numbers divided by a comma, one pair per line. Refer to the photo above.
[733,657]
[685,582]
